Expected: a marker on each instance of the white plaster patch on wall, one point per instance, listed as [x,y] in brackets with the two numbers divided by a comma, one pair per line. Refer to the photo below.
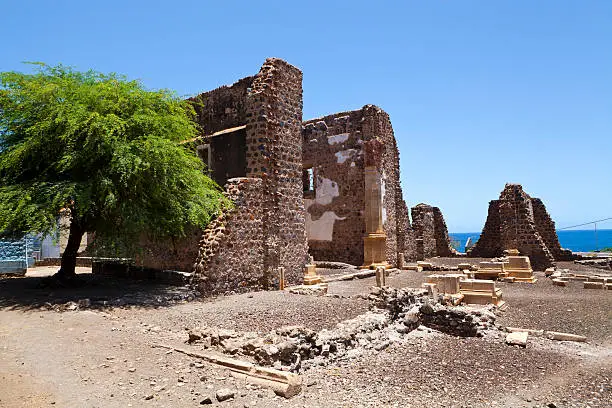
[322,229]
[326,190]
[335,139]
[344,155]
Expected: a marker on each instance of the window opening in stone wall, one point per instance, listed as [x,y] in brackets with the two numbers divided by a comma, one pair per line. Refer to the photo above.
[308,179]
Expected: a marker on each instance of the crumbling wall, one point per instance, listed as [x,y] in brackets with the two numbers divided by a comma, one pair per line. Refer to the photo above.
[443,244]
[430,229]
[167,254]
[332,148]
[274,154]
[517,221]
[406,238]
[489,245]
[424,230]
[546,227]
[222,108]
[230,256]
[266,230]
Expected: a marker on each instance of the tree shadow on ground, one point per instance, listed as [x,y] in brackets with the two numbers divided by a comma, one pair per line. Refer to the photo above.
[89,292]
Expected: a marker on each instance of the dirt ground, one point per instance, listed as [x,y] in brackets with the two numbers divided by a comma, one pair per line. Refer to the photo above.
[103,354]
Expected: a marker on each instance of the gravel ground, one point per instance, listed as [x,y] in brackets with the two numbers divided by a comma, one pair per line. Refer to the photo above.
[257,311]
[104,357]
[570,309]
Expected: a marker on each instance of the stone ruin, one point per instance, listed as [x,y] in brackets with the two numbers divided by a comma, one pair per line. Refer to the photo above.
[335,196]
[430,232]
[299,188]
[394,313]
[517,221]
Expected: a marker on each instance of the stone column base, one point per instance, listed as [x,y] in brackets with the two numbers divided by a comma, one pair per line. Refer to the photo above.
[374,251]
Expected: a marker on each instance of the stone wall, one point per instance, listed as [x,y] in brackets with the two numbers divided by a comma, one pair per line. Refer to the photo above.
[443,243]
[176,254]
[430,228]
[517,221]
[274,154]
[230,256]
[424,230]
[222,108]
[332,148]
[406,243]
[489,243]
[266,230]
[546,227]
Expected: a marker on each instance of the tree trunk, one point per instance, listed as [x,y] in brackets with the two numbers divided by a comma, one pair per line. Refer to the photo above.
[68,265]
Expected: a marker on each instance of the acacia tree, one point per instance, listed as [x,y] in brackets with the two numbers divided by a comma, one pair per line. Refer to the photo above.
[102,150]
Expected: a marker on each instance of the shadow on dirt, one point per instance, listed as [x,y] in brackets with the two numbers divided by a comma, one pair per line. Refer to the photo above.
[89,292]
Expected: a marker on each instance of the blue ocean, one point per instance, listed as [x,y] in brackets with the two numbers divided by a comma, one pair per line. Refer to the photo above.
[576,240]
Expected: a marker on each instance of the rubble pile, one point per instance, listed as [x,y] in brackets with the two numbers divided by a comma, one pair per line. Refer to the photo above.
[395,313]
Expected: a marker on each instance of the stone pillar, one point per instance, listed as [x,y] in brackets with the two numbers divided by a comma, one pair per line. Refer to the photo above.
[375,242]
[381,278]
[274,154]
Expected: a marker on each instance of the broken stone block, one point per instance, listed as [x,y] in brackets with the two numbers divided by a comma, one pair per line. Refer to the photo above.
[490,270]
[224,394]
[310,275]
[517,339]
[478,291]
[519,268]
[448,283]
[559,282]
[594,285]
[432,290]
[415,268]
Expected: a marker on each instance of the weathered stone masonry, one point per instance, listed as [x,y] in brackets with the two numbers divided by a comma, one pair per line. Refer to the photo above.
[259,118]
[431,232]
[231,254]
[517,221]
[290,180]
[333,156]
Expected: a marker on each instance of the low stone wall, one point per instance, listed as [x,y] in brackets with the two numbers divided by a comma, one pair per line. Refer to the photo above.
[231,252]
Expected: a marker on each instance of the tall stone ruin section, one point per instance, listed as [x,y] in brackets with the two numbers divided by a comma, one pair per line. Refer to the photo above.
[430,232]
[334,186]
[252,144]
[274,154]
[517,221]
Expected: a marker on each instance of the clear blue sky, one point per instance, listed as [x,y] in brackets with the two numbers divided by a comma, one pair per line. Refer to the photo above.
[480,93]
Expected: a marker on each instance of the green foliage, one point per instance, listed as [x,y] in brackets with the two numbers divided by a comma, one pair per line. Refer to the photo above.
[609,249]
[102,146]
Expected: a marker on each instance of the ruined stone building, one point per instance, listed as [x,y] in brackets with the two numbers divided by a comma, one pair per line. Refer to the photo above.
[298,187]
[430,232]
[518,221]
[334,185]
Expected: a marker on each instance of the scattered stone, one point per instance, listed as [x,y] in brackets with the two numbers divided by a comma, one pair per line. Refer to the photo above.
[517,339]
[224,394]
